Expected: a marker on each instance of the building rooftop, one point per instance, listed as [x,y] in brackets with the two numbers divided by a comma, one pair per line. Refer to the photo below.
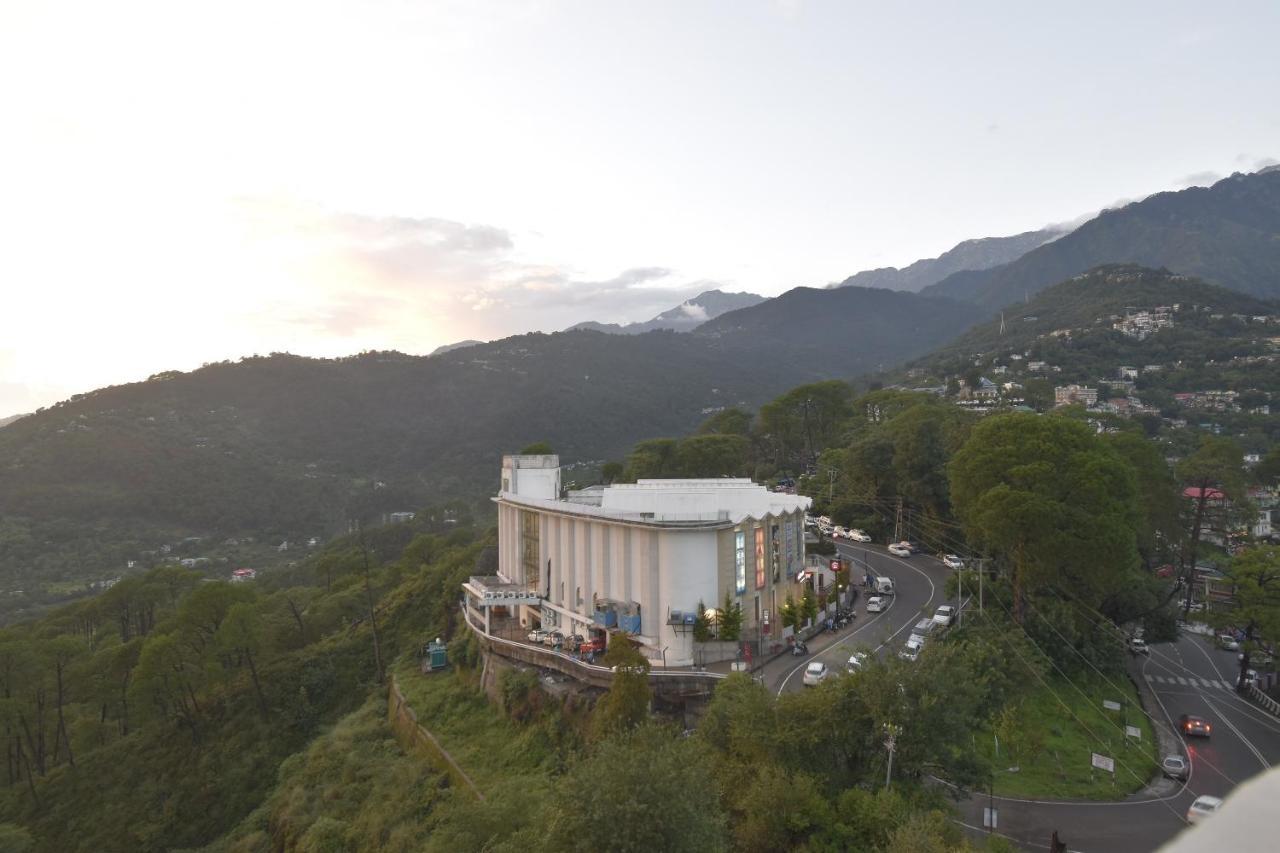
[718,502]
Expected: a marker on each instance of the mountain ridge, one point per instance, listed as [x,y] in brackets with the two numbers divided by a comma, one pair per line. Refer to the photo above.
[686,316]
[1227,234]
[974,254]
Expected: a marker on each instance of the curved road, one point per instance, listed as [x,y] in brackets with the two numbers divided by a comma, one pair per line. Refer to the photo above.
[1190,676]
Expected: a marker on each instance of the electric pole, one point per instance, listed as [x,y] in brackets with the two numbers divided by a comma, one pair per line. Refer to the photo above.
[831,485]
[897,523]
[891,733]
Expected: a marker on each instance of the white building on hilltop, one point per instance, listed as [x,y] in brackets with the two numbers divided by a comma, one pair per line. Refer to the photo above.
[639,557]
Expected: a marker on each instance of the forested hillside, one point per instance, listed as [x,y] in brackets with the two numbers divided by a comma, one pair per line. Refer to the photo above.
[1227,234]
[287,448]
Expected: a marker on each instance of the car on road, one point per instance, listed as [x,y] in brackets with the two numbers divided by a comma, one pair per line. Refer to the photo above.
[1138,646]
[944,615]
[912,648]
[924,627]
[815,673]
[573,642]
[900,549]
[1175,767]
[914,547]
[1250,677]
[875,604]
[951,561]
[1193,726]
[857,661]
[555,638]
[838,532]
[858,535]
[1229,642]
[539,636]
[1203,807]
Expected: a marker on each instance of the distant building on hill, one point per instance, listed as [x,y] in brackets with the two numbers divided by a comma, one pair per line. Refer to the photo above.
[1066,395]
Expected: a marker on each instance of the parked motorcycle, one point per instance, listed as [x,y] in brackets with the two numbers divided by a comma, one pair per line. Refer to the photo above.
[799,649]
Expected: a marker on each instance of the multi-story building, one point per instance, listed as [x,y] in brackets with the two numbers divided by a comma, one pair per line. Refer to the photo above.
[1065,395]
[641,557]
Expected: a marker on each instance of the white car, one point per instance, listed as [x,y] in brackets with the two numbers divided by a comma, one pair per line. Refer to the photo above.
[951,561]
[875,604]
[838,532]
[858,536]
[1138,646]
[912,649]
[944,615]
[538,636]
[1202,808]
[1228,642]
[900,549]
[857,661]
[815,673]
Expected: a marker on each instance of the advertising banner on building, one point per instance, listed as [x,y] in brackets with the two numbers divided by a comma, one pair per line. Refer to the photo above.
[740,560]
[759,558]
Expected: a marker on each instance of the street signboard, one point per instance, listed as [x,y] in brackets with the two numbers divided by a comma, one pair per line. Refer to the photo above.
[1133,732]
[837,566]
[1103,762]
[1110,705]
[990,818]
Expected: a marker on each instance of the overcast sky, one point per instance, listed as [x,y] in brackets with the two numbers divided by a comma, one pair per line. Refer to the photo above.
[184,183]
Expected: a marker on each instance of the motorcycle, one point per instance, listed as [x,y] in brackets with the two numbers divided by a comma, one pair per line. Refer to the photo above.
[799,649]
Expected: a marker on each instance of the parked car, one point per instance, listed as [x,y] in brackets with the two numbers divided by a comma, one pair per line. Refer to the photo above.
[1203,807]
[590,647]
[838,532]
[911,650]
[945,615]
[1251,677]
[815,673]
[858,535]
[884,585]
[951,561]
[555,638]
[1138,646]
[900,549]
[573,642]
[924,627]
[1229,642]
[1175,767]
[1193,726]
[875,604]
[537,635]
[856,661]
[914,547]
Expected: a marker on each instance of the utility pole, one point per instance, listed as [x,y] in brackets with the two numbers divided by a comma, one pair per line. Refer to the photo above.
[960,604]
[891,733]
[897,523]
[831,485]
[981,561]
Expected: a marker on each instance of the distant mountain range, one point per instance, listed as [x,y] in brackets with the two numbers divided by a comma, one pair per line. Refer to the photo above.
[4,422]
[980,254]
[685,317]
[1226,234]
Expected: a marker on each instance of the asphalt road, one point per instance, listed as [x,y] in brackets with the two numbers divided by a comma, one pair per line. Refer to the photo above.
[1190,676]
[919,584]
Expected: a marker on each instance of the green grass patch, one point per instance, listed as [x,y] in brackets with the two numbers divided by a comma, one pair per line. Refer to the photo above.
[480,737]
[1051,746]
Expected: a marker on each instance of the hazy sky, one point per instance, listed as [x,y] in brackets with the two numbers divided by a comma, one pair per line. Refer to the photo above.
[182,183]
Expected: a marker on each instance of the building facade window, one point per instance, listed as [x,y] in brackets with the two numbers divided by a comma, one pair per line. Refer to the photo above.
[529,541]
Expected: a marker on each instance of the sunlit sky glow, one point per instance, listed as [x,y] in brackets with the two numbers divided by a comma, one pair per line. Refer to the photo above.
[182,184]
